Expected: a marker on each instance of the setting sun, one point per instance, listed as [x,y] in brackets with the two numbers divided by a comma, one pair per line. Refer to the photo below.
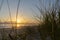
[19,20]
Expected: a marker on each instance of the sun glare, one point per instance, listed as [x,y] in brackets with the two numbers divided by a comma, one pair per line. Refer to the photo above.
[19,20]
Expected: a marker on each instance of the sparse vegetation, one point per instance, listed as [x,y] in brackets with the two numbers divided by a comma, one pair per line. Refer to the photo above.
[48,28]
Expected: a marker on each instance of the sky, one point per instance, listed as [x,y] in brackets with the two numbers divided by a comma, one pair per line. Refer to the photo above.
[26,9]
